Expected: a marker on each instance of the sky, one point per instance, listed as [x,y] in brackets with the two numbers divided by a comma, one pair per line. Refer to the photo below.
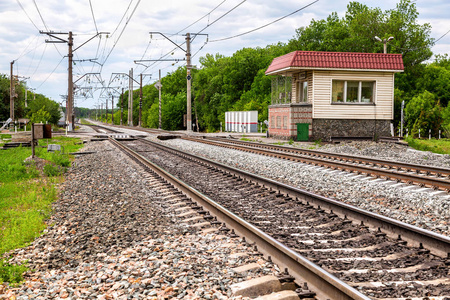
[124,28]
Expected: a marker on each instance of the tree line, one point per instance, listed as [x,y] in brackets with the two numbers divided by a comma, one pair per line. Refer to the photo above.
[38,108]
[237,82]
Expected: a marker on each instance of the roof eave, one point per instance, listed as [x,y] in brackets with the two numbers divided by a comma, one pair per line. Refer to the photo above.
[275,72]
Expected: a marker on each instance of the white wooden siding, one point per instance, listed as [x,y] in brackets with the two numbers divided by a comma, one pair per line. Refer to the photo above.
[384,100]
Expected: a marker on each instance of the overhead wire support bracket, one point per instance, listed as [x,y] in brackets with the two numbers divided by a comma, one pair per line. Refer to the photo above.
[156,32]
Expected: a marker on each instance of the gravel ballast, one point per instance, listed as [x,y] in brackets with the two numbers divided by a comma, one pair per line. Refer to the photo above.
[112,236]
[417,208]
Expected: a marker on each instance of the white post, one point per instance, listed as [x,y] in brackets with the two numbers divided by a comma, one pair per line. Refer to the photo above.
[406,132]
[419,133]
[439,134]
[429,134]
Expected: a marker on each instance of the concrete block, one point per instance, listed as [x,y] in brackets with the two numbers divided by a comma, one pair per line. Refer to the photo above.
[200,225]
[209,230]
[256,287]
[246,268]
[283,295]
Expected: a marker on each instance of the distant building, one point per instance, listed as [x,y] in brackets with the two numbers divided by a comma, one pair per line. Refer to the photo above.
[317,95]
[62,120]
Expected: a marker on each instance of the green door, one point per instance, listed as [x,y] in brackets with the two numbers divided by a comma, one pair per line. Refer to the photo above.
[302,132]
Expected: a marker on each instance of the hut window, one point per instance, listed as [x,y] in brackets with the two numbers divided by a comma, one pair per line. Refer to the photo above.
[303,91]
[347,91]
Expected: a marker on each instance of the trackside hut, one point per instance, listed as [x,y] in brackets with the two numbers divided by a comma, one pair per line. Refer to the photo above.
[317,95]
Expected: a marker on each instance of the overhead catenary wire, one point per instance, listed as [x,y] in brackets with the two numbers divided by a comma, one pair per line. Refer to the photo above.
[190,25]
[123,29]
[268,24]
[20,4]
[51,73]
[93,17]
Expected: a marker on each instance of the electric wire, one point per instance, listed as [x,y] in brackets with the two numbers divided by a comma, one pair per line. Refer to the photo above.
[268,24]
[39,12]
[51,73]
[93,17]
[201,17]
[124,14]
[441,37]
[20,4]
[40,60]
[26,48]
[123,29]
[216,20]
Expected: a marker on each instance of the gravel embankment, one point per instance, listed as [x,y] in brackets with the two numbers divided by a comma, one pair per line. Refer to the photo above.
[417,208]
[112,236]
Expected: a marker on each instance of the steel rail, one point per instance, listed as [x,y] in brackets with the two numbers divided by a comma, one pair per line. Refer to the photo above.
[324,284]
[438,244]
[356,159]
[436,183]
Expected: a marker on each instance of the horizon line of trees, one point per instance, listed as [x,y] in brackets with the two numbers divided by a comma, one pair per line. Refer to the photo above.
[238,82]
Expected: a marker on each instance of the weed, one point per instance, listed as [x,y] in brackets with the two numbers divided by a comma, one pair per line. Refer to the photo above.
[11,273]
[52,170]
[291,142]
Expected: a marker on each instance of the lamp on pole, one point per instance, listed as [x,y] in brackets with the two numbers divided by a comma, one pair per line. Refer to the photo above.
[384,41]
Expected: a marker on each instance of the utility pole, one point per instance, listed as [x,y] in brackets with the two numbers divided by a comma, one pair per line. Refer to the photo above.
[140,103]
[112,109]
[188,72]
[106,119]
[159,92]
[69,115]
[188,81]
[12,91]
[130,98]
[121,108]
[70,118]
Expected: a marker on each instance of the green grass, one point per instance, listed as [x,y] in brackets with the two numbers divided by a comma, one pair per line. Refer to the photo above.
[26,195]
[441,146]
[84,122]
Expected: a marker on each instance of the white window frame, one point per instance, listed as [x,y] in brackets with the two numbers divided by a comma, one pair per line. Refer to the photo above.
[374,82]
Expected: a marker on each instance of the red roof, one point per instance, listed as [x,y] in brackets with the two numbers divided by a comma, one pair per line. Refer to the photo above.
[336,60]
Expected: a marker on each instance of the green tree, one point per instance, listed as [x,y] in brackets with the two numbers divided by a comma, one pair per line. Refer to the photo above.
[40,116]
[424,112]
[43,103]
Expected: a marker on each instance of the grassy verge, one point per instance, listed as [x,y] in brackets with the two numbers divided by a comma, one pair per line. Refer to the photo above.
[441,146]
[27,190]
[84,122]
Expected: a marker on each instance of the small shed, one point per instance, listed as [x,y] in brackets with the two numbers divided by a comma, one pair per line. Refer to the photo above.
[318,95]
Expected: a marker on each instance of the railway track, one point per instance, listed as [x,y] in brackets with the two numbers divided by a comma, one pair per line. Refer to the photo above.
[362,255]
[421,175]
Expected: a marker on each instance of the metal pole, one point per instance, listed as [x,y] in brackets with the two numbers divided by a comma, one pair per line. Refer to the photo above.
[188,79]
[140,102]
[26,94]
[385,46]
[11,94]
[70,116]
[112,110]
[121,108]
[401,121]
[130,100]
[32,140]
[106,111]
[159,91]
